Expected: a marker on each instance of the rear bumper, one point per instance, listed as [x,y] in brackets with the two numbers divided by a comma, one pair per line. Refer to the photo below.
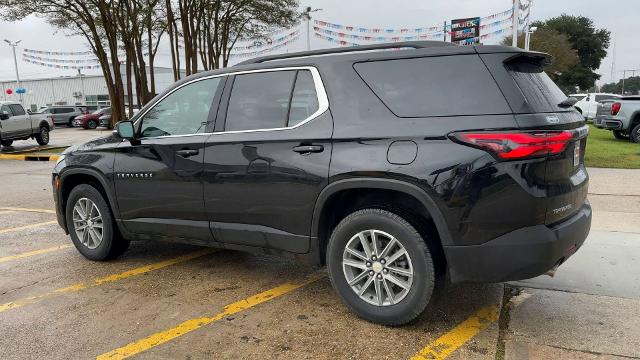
[611,124]
[521,254]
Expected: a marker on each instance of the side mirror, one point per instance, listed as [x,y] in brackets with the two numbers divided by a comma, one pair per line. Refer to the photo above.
[4,115]
[124,129]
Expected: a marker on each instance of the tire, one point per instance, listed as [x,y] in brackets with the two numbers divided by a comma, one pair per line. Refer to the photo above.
[6,142]
[92,124]
[43,136]
[634,136]
[407,306]
[70,122]
[620,135]
[111,245]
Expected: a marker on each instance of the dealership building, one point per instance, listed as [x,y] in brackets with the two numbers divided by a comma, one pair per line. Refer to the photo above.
[73,90]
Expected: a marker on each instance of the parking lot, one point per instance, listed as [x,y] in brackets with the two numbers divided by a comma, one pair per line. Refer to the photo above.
[163,300]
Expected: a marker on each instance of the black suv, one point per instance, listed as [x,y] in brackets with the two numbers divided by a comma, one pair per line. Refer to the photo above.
[392,164]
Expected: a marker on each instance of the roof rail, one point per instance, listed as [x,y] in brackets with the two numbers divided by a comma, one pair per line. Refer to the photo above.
[383,46]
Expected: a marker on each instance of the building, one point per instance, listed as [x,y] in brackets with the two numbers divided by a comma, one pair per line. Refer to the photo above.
[73,90]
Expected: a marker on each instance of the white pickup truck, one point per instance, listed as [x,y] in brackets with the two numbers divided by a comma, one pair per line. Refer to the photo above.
[624,118]
[17,124]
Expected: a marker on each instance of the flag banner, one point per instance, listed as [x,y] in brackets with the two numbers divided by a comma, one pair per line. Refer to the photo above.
[61,61]
[378,38]
[333,40]
[495,24]
[59,53]
[263,51]
[64,67]
[260,43]
[404,30]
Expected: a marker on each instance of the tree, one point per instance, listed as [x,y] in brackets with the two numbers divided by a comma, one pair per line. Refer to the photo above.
[557,45]
[631,86]
[590,44]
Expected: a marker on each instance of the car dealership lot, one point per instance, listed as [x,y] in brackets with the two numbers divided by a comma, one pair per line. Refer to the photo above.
[164,300]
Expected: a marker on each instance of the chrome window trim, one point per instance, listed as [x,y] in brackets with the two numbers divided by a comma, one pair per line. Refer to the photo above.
[323,100]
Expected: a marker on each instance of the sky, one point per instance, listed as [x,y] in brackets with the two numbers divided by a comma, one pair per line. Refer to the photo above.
[614,15]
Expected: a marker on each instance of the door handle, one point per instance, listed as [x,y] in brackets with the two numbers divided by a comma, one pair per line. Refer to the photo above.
[307,149]
[185,153]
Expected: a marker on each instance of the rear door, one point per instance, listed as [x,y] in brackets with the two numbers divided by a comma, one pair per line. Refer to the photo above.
[536,102]
[269,159]
[158,176]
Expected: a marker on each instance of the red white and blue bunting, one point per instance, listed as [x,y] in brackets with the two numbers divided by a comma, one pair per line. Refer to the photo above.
[338,34]
[62,61]
[265,50]
[59,66]
[58,53]
[258,44]
[335,41]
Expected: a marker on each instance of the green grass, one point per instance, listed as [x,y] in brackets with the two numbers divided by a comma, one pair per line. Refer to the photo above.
[603,150]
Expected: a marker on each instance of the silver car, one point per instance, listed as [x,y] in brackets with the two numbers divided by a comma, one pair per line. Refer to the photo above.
[64,114]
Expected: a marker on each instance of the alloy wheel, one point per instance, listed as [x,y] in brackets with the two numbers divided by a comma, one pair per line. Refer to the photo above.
[87,223]
[377,267]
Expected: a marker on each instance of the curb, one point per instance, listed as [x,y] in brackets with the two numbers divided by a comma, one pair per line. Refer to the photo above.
[29,157]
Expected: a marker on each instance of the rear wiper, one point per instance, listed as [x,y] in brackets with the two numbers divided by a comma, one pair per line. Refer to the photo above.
[568,102]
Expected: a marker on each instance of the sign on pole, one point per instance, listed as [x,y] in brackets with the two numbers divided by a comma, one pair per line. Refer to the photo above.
[465,31]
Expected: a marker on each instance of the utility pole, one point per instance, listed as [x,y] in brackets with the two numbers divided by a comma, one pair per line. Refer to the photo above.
[80,74]
[306,14]
[15,61]
[514,23]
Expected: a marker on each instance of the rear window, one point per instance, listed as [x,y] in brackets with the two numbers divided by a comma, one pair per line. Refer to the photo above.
[540,92]
[434,86]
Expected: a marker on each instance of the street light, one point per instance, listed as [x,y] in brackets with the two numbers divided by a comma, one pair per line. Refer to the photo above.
[15,61]
[306,14]
[527,37]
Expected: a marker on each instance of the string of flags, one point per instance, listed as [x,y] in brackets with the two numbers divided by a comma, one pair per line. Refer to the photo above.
[377,38]
[61,61]
[360,29]
[334,40]
[266,50]
[58,66]
[257,44]
[58,53]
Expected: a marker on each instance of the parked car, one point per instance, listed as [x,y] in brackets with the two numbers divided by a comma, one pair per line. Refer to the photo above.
[17,124]
[604,110]
[624,119]
[105,120]
[91,120]
[393,168]
[587,104]
[63,114]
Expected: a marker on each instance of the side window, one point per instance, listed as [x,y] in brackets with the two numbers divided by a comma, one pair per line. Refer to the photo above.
[304,101]
[6,108]
[434,86]
[260,100]
[17,109]
[184,111]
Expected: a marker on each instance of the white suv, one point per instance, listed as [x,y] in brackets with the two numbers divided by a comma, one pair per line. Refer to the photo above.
[588,103]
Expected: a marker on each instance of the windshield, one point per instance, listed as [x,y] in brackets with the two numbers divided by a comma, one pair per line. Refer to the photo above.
[97,112]
[578,97]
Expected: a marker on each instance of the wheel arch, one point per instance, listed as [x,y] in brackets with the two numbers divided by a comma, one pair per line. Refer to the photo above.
[332,192]
[73,177]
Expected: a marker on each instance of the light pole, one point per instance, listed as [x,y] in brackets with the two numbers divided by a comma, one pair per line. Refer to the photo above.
[306,14]
[15,61]
[527,37]
[515,16]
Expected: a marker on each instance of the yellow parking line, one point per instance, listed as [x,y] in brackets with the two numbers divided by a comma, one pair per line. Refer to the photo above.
[185,327]
[106,279]
[34,252]
[28,210]
[23,227]
[29,156]
[458,336]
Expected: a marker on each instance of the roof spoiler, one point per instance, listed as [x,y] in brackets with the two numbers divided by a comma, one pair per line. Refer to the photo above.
[540,58]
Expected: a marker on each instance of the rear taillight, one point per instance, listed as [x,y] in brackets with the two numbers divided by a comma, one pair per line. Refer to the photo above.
[517,145]
[615,108]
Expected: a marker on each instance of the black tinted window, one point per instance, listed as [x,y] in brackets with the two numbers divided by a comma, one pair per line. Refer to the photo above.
[260,100]
[604,97]
[184,111]
[434,86]
[540,92]
[17,109]
[304,101]
[63,110]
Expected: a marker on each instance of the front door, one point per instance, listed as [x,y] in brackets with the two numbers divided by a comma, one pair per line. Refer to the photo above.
[158,176]
[18,124]
[269,159]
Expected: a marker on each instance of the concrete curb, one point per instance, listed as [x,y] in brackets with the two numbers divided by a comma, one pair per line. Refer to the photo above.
[30,157]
